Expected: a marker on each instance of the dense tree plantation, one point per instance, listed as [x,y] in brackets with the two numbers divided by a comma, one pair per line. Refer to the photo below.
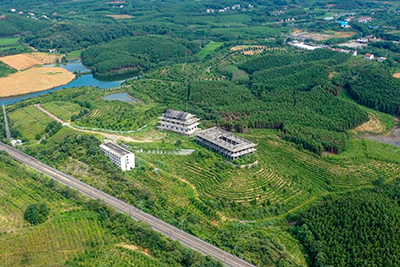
[15,25]
[374,87]
[355,229]
[134,53]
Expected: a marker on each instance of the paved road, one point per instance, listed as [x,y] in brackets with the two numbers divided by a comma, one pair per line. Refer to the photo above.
[158,225]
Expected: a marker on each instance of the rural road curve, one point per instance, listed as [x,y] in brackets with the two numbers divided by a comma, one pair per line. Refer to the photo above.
[158,225]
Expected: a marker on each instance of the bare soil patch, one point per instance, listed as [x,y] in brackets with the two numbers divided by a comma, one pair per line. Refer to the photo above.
[372,126]
[241,47]
[133,247]
[396,75]
[25,61]
[34,80]
[120,16]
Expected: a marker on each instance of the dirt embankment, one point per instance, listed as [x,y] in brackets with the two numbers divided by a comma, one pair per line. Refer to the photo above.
[32,78]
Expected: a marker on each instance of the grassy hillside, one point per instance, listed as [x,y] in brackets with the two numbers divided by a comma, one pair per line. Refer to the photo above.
[6,70]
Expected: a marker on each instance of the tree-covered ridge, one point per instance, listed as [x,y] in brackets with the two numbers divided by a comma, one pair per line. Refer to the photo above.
[374,87]
[278,60]
[356,229]
[137,53]
[13,25]
[314,118]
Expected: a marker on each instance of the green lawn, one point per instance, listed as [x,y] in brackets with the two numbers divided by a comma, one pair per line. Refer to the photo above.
[62,110]
[30,121]
[8,41]
[209,48]
[74,55]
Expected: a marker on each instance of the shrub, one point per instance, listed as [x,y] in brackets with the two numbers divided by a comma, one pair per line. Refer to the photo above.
[36,213]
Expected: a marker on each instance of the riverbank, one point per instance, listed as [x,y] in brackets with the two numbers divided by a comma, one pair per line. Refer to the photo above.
[34,80]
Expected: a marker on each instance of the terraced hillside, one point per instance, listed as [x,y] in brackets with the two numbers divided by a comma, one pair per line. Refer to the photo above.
[284,180]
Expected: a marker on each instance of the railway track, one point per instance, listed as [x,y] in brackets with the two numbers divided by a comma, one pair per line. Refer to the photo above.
[157,224]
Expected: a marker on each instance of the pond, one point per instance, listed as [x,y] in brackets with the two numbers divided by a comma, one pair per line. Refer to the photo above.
[83,80]
[123,97]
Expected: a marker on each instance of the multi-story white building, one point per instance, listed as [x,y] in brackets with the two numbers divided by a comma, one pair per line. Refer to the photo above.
[120,156]
[179,122]
[225,143]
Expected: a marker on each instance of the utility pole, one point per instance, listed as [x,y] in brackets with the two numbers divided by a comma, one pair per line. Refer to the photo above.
[7,128]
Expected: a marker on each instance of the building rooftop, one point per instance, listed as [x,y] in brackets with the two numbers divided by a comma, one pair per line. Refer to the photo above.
[178,115]
[225,139]
[115,149]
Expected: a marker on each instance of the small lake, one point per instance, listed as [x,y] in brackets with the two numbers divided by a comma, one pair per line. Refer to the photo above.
[84,80]
[123,97]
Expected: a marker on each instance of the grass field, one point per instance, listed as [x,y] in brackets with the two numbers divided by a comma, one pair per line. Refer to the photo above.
[6,70]
[30,121]
[62,110]
[8,41]
[74,55]
[209,48]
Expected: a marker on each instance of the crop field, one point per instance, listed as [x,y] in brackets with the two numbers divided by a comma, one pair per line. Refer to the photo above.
[62,110]
[25,61]
[209,48]
[34,80]
[68,231]
[30,121]
[284,180]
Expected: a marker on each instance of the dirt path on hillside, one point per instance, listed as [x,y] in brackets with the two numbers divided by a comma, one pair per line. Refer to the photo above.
[113,137]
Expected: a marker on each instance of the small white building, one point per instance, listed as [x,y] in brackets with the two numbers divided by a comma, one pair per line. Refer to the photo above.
[120,156]
[179,122]
[369,56]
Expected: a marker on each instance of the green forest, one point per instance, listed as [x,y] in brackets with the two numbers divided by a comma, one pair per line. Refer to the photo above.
[355,229]
[137,53]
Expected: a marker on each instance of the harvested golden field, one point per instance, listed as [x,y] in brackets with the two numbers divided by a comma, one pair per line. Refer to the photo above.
[120,16]
[34,80]
[25,61]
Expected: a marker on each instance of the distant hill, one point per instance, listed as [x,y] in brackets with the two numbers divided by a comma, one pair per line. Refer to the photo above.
[137,53]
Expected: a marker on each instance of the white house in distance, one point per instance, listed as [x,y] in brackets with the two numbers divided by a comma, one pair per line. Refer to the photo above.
[120,156]
[369,56]
[179,122]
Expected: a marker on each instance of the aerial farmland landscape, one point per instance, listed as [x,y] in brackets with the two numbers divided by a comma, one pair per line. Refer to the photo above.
[200,133]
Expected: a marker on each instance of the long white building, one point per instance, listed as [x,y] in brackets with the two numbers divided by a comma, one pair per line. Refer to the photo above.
[120,156]
[179,122]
